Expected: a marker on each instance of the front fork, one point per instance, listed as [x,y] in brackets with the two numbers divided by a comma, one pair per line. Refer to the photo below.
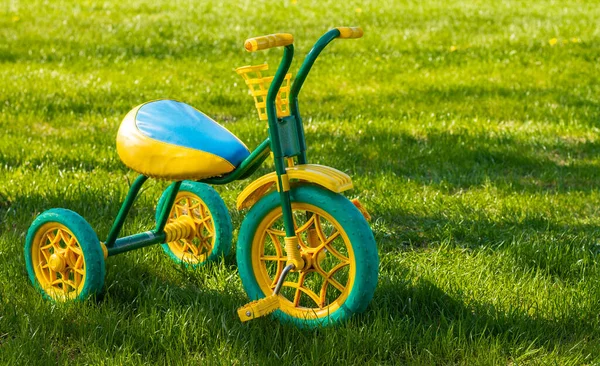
[268,304]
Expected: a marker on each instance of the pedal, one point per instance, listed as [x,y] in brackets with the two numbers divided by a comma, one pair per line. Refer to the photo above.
[259,308]
[362,209]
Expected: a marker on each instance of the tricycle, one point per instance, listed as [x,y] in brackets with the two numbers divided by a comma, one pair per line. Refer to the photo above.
[304,251]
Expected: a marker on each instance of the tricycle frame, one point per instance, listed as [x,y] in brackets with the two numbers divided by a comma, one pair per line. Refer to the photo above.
[282,148]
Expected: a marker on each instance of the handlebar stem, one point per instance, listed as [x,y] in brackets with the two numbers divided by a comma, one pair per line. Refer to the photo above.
[309,60]
[308,63]
[284,66]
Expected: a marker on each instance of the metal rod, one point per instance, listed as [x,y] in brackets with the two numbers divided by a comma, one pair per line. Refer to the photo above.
[136,241]
[118,224]
[163,217]
[284,274]
[251,162]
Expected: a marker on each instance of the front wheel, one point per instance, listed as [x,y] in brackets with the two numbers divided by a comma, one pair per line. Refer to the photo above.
[336,243]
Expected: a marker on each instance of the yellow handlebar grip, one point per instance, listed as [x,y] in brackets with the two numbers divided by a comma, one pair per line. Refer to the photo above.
[270,41]
[350,32]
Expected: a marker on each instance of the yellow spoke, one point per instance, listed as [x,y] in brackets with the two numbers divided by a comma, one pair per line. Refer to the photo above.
[208,238]
[202,220]
[204,244]
[79,262]
[205,211]
[328,241]
[70,283]
[64,238]
[305,226]
[290,284]
[276,232]
[297,286]
[196,210]
[57,281]
[179,210]
[312,295]
[46,256]
[77,277]
[337,268]
[337,254]
[210,229]
[336,284]
[323,293]
[273,258]
[276,242]
[193,248]
[52,276]
[183,245]
[71,241]
[51,236]
[319,228]
[300,283]
[47,276]
[333,281]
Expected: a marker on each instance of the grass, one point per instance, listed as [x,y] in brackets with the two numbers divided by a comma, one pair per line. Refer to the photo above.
[470,129]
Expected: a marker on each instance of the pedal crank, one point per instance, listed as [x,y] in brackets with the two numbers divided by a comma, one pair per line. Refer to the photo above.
[266,305]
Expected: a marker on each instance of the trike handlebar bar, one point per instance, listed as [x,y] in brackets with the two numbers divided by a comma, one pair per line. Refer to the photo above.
[270,41]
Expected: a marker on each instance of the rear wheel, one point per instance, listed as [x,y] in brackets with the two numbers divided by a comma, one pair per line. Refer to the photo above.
[336,243]
[63,256]
[213,224]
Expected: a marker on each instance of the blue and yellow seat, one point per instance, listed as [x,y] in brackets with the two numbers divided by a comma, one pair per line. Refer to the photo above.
[171,140]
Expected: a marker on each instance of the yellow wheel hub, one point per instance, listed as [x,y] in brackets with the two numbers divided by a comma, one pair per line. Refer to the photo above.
[324,283]
[58,261]
[197,247]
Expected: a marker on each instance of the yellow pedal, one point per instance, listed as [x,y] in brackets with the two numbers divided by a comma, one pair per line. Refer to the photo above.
[259,308]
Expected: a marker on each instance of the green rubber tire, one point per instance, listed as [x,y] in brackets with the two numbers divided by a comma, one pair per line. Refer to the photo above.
[220,219]
[89,244]
[359,234]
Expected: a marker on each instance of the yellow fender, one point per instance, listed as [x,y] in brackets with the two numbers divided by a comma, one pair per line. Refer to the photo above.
[326,177]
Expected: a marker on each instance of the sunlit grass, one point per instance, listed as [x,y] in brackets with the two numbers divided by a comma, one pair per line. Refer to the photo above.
[470,130]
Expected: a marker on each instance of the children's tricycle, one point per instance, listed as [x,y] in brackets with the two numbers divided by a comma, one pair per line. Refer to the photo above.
[304,250]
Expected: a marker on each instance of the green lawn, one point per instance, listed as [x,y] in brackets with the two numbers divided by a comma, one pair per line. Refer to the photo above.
[470,128]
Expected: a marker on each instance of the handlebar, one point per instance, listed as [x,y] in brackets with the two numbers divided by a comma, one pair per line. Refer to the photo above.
[287,40]
[339,32]
[269,41]
[350,32]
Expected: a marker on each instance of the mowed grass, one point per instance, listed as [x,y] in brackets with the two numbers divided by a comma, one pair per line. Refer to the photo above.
[470,128]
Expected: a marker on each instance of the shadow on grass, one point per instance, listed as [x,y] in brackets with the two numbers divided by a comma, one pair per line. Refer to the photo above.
[429,314]
[463,160]
[561,251]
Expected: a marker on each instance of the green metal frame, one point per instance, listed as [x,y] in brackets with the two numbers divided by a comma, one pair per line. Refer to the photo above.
[284,141]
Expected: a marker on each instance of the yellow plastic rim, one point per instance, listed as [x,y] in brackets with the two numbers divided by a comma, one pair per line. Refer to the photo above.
[198,249]
[323,285]
[58,261]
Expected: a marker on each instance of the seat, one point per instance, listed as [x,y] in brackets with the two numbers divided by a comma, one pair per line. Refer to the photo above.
[171,140]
